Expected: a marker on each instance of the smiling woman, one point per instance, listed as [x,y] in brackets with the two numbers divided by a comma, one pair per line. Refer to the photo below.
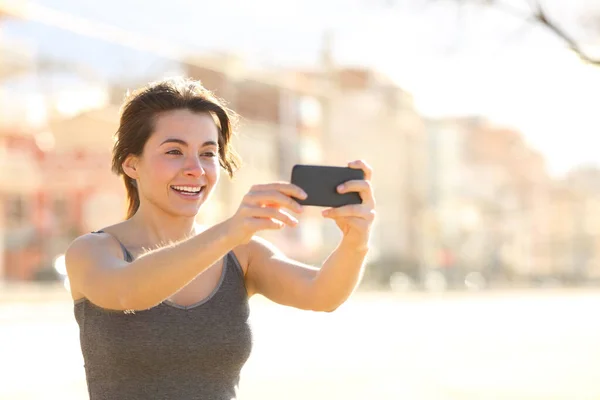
[162,302]
[198,110]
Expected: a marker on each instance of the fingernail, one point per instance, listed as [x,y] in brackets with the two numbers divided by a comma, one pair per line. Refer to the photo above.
[304,195]
[341,187]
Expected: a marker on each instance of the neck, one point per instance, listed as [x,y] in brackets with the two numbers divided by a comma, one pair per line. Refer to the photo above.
[159,227]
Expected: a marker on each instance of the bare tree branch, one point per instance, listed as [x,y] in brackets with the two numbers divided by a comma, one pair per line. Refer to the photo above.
[541,17]
[538,16]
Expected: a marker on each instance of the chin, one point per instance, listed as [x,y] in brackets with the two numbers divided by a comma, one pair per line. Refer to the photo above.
[190,211]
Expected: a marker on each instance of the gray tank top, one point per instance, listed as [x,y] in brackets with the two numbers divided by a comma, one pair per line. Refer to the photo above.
[169,351]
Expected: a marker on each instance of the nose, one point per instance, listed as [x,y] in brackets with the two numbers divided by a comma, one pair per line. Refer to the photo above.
[194,167]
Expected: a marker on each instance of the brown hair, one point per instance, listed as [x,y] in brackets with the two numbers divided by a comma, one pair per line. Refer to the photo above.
[138,117]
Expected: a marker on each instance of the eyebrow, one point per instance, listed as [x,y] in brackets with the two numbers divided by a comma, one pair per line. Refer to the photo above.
[184,143]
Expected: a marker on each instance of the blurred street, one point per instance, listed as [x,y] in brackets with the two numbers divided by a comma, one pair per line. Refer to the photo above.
[517,345]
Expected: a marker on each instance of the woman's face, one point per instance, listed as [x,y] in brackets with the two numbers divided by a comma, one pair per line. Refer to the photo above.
[179,166]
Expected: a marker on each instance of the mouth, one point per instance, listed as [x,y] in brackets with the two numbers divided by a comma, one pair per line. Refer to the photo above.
[189,192]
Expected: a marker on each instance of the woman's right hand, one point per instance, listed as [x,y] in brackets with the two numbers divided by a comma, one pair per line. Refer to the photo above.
[266,207]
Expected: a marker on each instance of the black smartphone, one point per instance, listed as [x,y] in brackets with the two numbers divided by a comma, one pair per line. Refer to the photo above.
[320,183]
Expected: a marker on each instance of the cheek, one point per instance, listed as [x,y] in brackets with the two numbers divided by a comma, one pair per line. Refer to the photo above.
[212,170]
[162,169]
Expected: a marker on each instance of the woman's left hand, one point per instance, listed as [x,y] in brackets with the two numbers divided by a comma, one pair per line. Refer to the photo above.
[355,220]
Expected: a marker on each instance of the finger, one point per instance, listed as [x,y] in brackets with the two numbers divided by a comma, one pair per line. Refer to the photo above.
[272,213]
[272,198]
[364,189]
[288,189]
[361,164]
[353,210]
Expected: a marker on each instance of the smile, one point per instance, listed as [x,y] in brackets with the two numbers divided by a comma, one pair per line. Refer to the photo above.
[190,192]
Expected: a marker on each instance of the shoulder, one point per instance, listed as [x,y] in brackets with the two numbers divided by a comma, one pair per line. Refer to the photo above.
[92,247]
[104,239]
[90,242]
[257,248]
[83,255]
[89,248]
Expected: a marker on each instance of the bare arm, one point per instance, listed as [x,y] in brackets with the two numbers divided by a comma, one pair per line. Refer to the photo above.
[340,275]
[294,284]
[97,271]
[291,283]
[102,276]
[278,278]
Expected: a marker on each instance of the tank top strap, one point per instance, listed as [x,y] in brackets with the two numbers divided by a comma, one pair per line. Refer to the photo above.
[126,254]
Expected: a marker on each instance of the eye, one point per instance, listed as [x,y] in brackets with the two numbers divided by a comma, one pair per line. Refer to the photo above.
[210,154]
[174,152]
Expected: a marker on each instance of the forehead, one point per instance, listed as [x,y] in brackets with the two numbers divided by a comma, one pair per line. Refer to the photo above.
[193,127]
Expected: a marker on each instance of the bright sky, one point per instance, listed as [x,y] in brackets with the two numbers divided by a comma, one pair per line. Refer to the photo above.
[486,62]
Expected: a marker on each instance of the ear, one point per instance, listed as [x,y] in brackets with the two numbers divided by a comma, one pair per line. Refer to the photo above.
[130,166]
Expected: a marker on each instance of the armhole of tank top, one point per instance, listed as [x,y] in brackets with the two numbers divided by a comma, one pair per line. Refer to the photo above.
[238,268]
[236,264]
[126,254]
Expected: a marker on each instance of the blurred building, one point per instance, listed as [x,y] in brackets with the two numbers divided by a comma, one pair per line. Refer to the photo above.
[55,141]
[521,186]
[22,115]
[57,185]
[487,189]
[576,226]
[82,193]
[452,219]
[369,117]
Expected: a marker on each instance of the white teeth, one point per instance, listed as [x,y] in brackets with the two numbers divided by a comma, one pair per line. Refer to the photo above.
[189,189]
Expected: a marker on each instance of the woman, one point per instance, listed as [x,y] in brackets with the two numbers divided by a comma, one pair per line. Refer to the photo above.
[161,303]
